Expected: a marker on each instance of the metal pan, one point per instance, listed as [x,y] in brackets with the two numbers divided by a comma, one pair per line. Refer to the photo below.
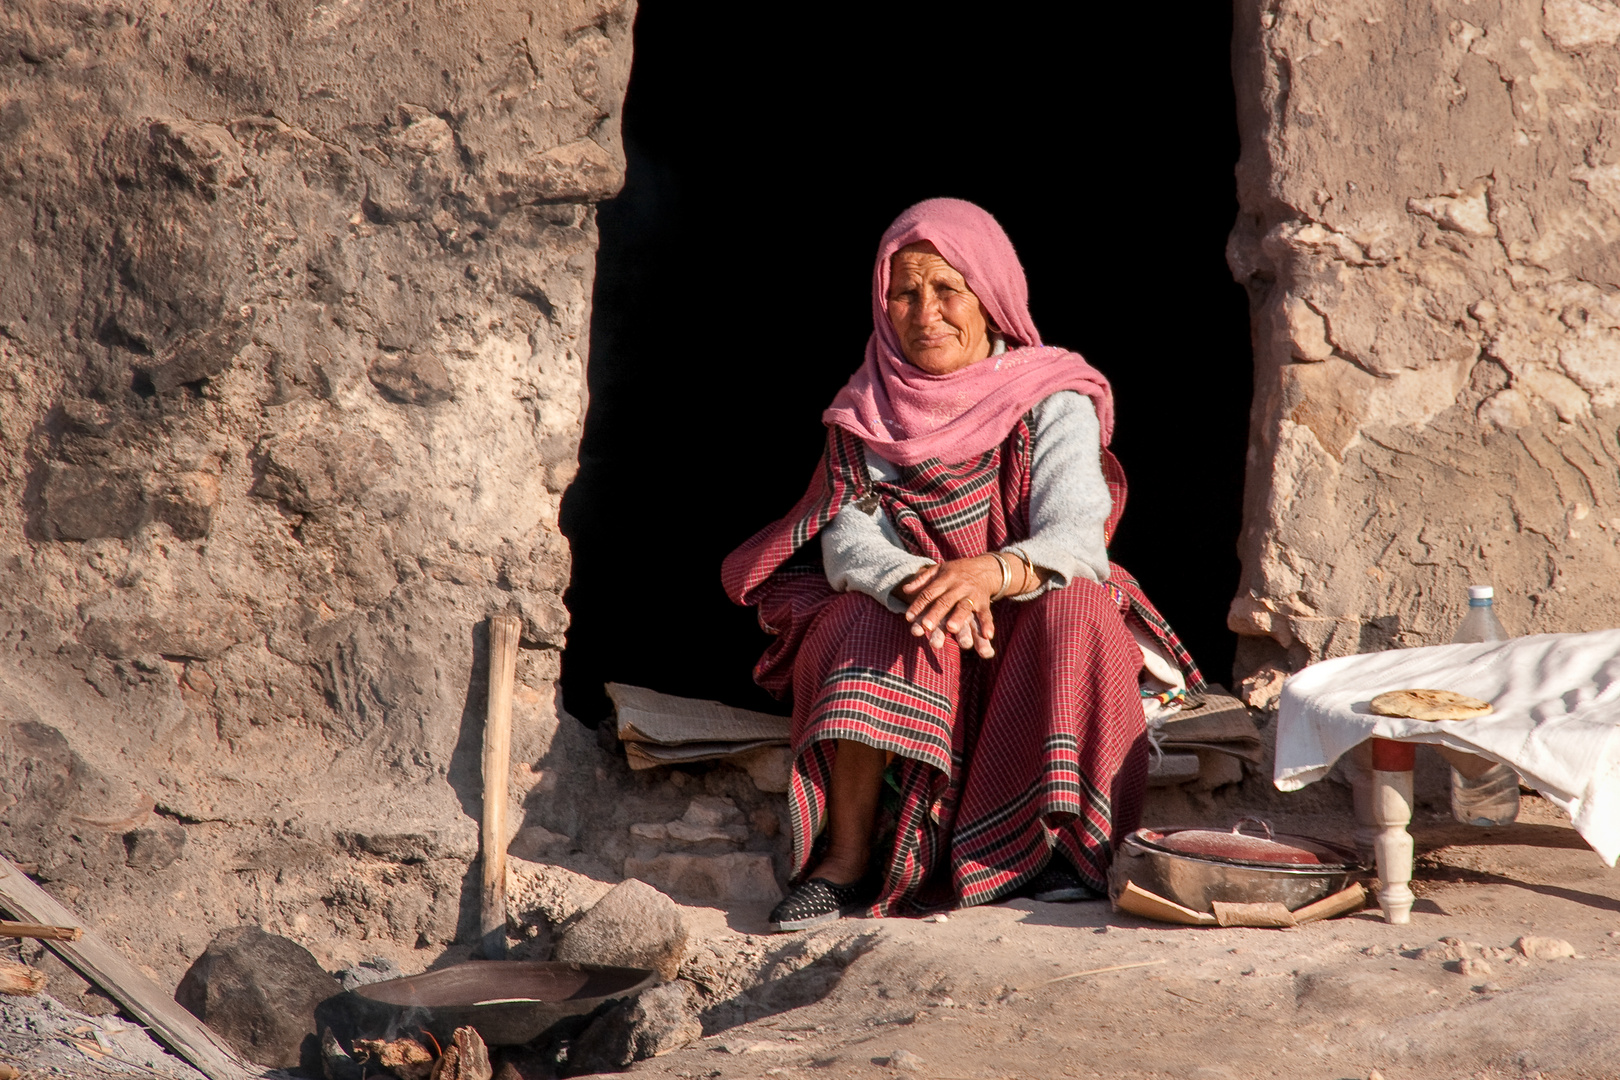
[1299,871]
[509,1002]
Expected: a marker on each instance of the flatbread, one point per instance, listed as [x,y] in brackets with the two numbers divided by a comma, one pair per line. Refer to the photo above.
[1428,705]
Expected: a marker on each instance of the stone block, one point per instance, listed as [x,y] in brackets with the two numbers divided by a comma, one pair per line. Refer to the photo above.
[711,811]
[258,992]
[738,877]
[769,767]
[634,925]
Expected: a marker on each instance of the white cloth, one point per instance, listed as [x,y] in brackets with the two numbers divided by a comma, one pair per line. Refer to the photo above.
[1556,715]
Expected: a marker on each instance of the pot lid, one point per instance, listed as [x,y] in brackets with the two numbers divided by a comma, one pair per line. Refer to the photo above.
[1243,846]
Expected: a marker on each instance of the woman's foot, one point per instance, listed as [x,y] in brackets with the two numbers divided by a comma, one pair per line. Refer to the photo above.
[1059,884]
[815,903]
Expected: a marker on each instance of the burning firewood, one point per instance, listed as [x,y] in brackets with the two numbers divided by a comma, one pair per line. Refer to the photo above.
[405,1058]
[466,1058]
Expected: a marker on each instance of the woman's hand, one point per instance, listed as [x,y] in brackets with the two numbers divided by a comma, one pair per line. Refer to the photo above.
[953,597]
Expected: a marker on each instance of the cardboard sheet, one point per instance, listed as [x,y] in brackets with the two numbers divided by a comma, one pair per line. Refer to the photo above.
[650,717]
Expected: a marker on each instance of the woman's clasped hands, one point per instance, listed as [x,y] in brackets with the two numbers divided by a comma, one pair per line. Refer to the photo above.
[953,598]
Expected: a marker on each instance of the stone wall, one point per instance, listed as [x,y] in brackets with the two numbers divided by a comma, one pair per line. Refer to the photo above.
[293,313]
[1430,205]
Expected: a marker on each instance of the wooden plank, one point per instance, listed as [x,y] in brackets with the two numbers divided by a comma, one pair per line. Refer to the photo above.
[103,965]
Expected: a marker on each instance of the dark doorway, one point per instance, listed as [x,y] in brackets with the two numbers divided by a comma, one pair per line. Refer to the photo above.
[732,291]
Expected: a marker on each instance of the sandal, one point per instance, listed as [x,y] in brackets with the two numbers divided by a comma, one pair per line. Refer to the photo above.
[815,903]
[1059,884]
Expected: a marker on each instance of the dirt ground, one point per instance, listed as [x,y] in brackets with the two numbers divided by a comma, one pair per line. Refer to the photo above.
[984,994]
[997,992]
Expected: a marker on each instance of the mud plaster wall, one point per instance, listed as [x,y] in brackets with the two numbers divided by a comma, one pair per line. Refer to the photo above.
[293,313]
[1430,206]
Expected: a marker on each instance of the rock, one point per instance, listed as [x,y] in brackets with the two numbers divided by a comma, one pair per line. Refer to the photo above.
[711,811]
[336,1064]
[766,822]
[258,992]
[634,925]
[526,1063]
[1215,770]
[1544,948]
[687,833]
[1434,403]
[769,767]
[1471,967]
[654,1022]
[708,819]
[154,848]
[548,892]
[1262,689]
[411,378]
[78,503]
[906,1061]
[533,843]
[371,970]
[738,877]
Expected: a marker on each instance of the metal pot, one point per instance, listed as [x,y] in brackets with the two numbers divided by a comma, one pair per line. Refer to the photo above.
[508,1001]
[1195,868]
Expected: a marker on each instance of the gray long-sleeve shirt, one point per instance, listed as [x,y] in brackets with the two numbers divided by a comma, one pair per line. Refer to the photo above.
[1069,505]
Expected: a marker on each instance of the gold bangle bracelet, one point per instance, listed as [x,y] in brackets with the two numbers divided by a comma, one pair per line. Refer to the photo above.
[1006,574]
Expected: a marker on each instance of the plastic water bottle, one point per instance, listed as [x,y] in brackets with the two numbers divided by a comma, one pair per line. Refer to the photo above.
[1492,798]
[1481,623]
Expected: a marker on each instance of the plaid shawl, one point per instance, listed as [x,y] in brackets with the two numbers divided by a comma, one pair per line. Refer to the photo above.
[999,762]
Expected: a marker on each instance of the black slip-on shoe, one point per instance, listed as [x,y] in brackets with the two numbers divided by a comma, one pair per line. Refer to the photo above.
[1059,884]
[815,903]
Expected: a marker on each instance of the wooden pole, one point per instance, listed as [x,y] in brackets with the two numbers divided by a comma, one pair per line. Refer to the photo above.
[504,631]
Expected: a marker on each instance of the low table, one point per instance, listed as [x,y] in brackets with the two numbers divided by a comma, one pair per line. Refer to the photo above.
[1555,721]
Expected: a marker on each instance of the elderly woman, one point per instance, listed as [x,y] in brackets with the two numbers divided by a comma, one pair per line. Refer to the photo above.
[965,663]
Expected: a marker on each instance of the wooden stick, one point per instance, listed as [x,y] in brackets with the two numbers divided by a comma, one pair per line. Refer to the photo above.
[1138,901]
[504,631]
[37,930]
[1267,914]
[103,965]
[20,978]
[1099,971]
[1353,898]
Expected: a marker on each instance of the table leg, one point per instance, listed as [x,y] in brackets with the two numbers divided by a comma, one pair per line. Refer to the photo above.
[1391,813]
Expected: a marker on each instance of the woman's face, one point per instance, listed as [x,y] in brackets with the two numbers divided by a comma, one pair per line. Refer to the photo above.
[941,325]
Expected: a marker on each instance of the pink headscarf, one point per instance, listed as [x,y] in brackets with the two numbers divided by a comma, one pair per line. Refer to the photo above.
[907,415]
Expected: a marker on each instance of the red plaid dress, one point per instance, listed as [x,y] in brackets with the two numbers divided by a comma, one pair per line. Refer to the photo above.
[999,762]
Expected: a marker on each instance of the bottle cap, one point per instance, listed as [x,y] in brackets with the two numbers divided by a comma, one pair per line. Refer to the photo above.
[1481,592]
